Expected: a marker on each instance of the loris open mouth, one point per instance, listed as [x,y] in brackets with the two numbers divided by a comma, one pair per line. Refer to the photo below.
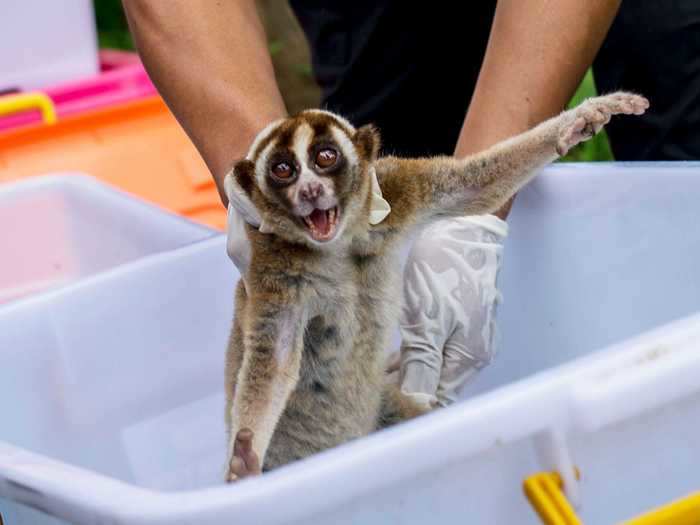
[322,223]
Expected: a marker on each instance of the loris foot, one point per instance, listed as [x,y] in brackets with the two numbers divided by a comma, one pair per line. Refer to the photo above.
[245,461]
[584,121]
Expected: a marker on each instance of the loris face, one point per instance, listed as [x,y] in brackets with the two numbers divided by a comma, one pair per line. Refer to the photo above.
[309,175]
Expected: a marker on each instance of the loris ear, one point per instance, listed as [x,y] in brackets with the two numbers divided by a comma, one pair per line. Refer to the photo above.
[368,142]
[239,184]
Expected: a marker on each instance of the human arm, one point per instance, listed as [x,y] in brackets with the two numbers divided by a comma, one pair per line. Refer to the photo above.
[537,54]
[210,62]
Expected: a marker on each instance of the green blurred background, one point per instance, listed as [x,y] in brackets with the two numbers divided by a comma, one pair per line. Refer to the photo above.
[290,56]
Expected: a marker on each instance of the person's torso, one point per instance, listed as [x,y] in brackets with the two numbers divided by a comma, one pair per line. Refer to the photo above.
[410,68]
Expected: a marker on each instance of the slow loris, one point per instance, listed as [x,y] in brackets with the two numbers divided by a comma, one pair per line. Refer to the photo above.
[305,362]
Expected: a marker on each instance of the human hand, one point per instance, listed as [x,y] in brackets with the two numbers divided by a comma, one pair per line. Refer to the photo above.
[241,210]
[450,299]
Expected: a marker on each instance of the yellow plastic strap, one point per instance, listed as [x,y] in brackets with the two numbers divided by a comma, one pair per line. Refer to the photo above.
[682,512]
[17,103]
[544,491]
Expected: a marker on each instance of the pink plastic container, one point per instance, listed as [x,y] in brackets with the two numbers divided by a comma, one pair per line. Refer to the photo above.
[122,79]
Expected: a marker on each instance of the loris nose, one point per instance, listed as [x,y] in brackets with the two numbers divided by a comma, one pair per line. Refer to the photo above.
[311,191]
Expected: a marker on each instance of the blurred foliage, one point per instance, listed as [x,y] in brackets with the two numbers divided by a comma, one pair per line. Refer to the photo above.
[290,58]
[290,55]
[112,29]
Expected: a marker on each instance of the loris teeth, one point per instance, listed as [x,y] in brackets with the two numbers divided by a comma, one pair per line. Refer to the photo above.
[310,224]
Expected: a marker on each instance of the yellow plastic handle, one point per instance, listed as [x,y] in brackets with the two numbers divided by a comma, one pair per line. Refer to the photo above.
[17,103]
[543,490]
[685,511]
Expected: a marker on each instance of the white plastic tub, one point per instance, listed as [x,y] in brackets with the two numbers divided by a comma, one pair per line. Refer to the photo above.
[112,405]
[46,42]
[59,228]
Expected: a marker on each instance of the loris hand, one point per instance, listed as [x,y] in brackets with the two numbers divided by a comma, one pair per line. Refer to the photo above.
[582,122]
[244,462]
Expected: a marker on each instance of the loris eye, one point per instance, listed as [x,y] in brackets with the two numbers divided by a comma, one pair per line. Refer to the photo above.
[282,170]
[326,157]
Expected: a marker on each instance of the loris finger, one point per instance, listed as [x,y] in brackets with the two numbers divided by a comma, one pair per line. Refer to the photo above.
[243,449]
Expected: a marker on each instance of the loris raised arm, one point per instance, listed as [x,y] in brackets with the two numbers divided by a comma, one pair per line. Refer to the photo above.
[420,189]
[305,360]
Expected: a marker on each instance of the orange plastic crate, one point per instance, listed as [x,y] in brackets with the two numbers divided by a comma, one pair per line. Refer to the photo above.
[138,147]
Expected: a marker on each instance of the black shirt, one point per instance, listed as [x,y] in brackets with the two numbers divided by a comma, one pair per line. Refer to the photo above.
[411,67]
[408,67]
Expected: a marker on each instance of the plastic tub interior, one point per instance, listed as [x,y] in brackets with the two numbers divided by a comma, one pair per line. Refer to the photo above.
[112,404]
[59,228]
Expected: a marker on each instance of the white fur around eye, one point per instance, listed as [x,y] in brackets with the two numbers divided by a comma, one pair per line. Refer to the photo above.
[347,148]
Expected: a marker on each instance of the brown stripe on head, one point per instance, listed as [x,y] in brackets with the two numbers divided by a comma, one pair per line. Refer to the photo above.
[282,129]
[285,133]
[321,122]
[244,173]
